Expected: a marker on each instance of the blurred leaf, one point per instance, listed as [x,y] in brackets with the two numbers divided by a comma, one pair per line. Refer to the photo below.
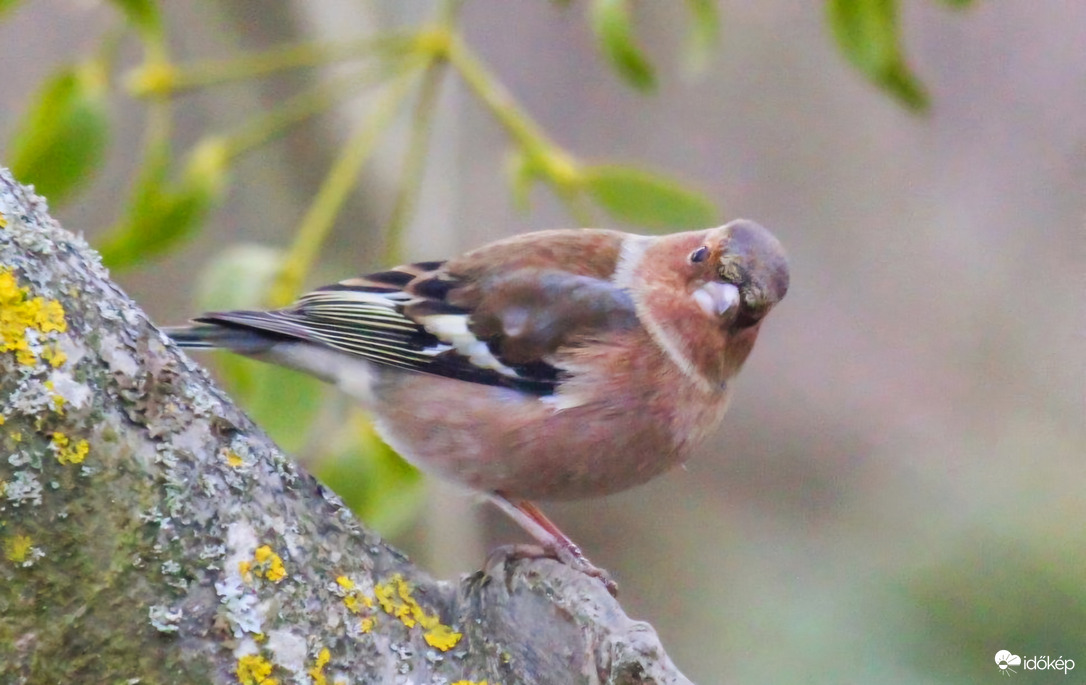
[992,592]
[522,171]
[61,141]
[648,199]
[6,5]
[704,32]
[283,402]
[611,22]
[161,214]
[378,485]
[867,32]
[143,14]
[238,278]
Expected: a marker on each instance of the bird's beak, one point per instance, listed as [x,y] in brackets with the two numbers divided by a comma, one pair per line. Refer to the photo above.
[717,298]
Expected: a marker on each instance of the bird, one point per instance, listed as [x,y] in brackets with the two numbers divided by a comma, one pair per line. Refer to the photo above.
[553,365]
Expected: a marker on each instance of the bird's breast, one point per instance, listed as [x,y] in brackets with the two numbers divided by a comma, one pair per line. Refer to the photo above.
[622,415]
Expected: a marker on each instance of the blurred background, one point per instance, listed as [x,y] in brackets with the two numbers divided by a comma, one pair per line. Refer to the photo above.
[898,490]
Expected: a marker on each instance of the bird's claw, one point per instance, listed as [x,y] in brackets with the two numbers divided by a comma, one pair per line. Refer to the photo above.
[570,556]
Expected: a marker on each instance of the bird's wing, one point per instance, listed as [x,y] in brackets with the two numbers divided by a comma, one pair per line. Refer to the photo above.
[495,316]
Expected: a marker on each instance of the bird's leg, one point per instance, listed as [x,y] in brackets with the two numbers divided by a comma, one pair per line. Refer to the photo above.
[554,542]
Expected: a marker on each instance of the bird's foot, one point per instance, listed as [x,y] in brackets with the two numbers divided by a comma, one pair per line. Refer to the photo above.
[553,542]
[569,556]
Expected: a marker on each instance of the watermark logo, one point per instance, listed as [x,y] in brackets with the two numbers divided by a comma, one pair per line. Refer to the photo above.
[1005,660]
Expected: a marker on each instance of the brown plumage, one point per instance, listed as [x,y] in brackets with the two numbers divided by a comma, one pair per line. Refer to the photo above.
[552,365]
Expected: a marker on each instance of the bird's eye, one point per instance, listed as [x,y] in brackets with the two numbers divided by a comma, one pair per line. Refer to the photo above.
[699,255]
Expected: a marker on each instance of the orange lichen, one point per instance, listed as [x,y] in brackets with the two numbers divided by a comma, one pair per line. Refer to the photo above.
[20,313]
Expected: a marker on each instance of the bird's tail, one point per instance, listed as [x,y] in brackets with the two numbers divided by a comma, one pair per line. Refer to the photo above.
[214,336]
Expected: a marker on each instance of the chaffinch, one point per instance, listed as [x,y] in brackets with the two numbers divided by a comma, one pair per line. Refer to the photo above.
[551,365]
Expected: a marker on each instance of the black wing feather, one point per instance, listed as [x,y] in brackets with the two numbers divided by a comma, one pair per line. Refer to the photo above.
[416,319]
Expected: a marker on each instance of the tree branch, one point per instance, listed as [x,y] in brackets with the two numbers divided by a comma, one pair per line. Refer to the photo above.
[151,533]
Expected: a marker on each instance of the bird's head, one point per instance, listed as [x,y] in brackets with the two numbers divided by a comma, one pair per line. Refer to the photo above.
[737,273]
[705,294]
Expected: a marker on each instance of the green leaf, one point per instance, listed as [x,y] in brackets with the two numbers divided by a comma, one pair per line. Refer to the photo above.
[522,171]
[7,5]
[647,199]
[867,32]
[62,139]
[377,484]
[704,33]
[143,14]
[613,26]
[160,215]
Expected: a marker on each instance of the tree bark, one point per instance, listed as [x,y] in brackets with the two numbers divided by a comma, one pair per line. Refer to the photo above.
[151,533]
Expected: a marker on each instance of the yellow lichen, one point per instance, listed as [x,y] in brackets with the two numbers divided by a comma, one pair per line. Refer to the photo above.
[3,221]
[58,399]
[2,420]
[395,599]
[54,356]
[17,548]
[67,452]
[233,459]
[253,669]
[471,682]
[441,637]
[20,313]
[265,564]
[356,602]
[317,672]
